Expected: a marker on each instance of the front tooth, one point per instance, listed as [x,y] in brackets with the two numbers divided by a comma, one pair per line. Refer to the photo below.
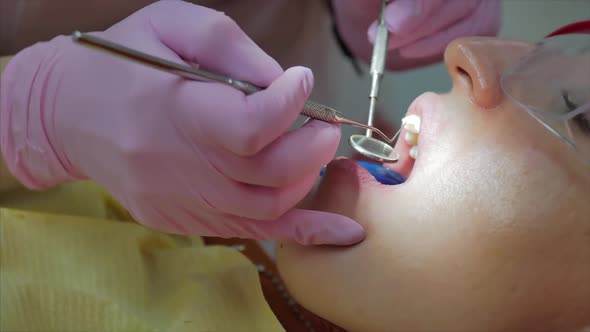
[411,123]
[414,152]
[411,138]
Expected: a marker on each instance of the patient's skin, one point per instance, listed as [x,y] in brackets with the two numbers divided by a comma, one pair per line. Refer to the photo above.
[491,232]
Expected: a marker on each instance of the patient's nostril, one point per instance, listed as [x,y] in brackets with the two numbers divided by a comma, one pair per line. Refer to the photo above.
[475,64]
[464,75]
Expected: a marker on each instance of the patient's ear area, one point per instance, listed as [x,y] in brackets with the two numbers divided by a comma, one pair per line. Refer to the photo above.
[475,64]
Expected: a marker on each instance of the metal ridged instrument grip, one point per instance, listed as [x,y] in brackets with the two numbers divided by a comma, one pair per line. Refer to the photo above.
[320,112]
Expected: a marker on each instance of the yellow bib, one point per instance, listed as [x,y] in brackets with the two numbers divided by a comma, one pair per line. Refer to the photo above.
[68,263]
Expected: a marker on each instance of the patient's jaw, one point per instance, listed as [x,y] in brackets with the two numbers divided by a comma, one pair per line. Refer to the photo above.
[490,233]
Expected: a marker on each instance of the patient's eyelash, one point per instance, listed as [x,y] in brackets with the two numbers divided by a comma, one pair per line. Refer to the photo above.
[582,120]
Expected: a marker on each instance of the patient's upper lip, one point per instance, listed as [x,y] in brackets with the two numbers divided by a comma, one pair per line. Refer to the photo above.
[425,106]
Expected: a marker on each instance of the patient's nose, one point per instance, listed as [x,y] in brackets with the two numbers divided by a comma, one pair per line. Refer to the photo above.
[478,63]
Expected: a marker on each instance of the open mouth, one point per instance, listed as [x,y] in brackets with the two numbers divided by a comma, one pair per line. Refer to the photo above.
[411,143]
[418,132]
[406,146]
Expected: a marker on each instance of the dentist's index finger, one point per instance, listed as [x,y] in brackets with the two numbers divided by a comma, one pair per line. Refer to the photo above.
[243,125]
[213,40]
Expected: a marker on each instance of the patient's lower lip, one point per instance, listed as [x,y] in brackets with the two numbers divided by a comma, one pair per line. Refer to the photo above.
[382,174]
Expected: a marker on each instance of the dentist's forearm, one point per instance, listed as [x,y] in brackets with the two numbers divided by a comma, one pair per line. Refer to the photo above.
[7,180]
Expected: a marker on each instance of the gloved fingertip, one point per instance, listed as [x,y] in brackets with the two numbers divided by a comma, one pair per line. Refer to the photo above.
[303,75]
[343,231]
[400,14]
[308,81]
[329,130]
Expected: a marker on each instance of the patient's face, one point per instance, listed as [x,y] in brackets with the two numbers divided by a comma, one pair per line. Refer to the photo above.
[491,232]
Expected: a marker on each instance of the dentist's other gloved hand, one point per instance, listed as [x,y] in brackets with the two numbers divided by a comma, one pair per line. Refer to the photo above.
[183,156]
[419,29]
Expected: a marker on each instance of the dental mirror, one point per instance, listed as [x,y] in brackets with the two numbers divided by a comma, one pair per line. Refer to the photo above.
[374,148]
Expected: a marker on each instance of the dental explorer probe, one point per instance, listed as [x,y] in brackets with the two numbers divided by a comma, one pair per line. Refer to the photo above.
[378,59]
[311,109]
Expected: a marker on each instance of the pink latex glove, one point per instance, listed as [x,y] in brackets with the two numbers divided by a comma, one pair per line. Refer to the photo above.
[420,29]
[183,156]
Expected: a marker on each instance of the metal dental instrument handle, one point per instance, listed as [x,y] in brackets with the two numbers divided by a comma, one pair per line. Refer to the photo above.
[311,109]
[378,60]
[367,145]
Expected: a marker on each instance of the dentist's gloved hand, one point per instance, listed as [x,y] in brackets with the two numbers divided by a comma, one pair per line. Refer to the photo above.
[184,157]
[419,29]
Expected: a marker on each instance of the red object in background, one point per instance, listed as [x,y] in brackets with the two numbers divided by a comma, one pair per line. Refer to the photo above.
[576,27]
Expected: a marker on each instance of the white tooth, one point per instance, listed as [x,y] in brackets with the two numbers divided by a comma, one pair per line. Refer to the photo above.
[411,123]
[414,152]
[411,138]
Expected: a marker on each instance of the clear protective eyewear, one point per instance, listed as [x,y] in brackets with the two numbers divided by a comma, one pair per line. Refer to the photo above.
[552,83]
